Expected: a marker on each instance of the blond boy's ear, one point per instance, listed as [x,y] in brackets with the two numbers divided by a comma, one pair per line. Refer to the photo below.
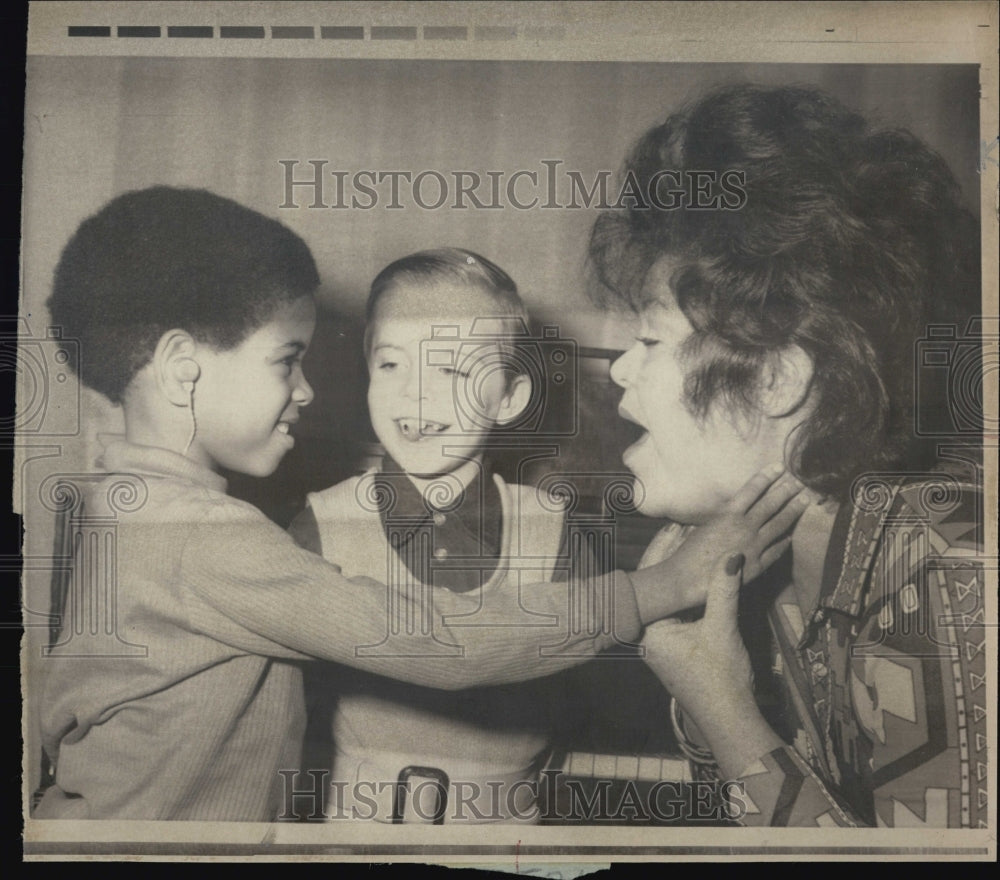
[515,401]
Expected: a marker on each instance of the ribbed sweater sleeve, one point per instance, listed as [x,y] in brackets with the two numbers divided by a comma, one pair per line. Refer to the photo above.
[249,585]
[305,531]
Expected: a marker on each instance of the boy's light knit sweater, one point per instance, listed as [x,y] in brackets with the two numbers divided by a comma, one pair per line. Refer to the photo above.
[225,602]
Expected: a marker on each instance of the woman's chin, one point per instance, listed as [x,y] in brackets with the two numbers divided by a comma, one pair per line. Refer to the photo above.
[656,511]
[647,489]
[668,506]
[646,499]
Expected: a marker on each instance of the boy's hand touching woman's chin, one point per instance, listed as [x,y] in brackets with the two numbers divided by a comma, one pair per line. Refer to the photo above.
[756,523]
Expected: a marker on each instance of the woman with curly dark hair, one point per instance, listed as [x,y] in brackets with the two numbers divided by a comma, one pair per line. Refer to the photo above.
[788,321]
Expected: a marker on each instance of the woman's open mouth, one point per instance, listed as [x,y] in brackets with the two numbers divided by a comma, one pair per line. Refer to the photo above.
[633,432]
[633,447]
[627,415]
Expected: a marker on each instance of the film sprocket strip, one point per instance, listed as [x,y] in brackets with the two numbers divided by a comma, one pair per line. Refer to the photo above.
[323,32]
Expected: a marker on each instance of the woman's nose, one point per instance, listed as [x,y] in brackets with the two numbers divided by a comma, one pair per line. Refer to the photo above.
[622,368]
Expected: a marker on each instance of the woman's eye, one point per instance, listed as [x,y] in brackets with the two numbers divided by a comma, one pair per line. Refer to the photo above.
[647,341]
[388,366]
[451,371]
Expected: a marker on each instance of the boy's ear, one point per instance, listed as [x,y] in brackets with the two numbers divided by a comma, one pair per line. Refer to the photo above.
[174,366]
[515,401]
[785,381]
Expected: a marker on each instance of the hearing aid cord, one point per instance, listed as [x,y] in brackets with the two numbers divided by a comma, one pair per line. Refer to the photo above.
[194,421]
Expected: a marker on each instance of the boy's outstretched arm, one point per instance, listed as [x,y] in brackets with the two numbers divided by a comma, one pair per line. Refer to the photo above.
[251,586]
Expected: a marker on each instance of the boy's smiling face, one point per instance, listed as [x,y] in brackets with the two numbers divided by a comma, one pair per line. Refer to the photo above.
[247,398]
[434,393]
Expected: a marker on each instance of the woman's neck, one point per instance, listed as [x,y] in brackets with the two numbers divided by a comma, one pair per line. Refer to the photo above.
[810,541]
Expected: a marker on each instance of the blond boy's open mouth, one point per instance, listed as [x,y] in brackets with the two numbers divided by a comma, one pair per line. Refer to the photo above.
[415,430]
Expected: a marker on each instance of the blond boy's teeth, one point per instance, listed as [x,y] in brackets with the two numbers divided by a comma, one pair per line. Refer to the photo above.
[284,427]
[413,429]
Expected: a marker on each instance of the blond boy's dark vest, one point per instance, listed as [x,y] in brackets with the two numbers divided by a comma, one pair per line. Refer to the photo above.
[382,727]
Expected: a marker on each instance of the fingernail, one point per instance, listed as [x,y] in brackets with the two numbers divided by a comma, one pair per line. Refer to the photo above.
[775,468]
[734,564]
